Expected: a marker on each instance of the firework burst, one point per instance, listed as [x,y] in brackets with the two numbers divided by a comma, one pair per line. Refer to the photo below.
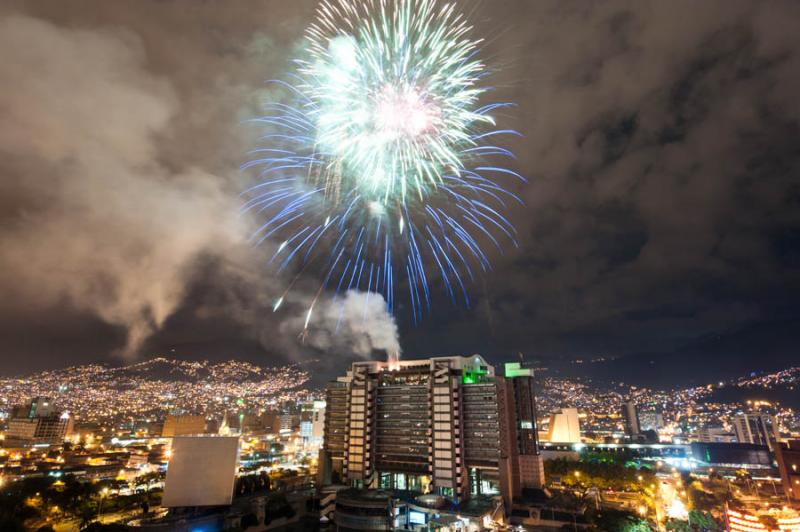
[376,173]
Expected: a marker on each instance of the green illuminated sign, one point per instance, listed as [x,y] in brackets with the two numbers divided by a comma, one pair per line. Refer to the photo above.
[515,369]
[473,376]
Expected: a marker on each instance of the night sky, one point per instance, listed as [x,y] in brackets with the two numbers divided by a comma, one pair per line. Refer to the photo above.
[662,216]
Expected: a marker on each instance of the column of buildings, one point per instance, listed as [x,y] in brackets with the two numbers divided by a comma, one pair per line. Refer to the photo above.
[449,426]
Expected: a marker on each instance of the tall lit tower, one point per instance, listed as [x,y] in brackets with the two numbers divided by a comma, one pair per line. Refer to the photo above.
[630,417]
[447,425]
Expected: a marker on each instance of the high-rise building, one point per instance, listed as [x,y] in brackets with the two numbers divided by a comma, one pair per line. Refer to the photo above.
[290,422]
[565,427]
[306,430]
[756,428]
[788,456]
[37,407]
[630,418]
[38,422]
[183,426]
[447,425]
[318,421]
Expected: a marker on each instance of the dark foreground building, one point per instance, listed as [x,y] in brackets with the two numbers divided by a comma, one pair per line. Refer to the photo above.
[447,426]
[788,456]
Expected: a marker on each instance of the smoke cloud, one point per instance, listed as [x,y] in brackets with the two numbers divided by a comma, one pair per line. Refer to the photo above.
[95,216]
[107,226]
[359,325]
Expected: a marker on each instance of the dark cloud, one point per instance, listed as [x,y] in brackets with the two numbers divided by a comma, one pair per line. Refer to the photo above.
[661,147]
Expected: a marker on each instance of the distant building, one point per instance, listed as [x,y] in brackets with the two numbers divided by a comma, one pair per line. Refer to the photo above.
[318,421]
[630,418]
[37,407]
[183,426]
[788,455]
[312,424]
[565,427]
[137,460]
[290,422]
[262,423]
[444,425]
[651,420]
[306,429]
[758,429]
[231,424]
[715,435]
[38,422]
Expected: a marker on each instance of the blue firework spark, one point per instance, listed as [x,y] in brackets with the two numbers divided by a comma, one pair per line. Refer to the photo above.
[374,173]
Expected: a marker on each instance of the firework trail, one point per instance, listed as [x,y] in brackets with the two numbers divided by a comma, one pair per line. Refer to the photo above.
[376,174]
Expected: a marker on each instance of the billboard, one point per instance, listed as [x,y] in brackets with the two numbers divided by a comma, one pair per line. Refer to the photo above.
[201,471]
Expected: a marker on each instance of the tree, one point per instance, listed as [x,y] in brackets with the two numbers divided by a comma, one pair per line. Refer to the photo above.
[601,474]
[697,522]
[706,501]
[638,526]
[14,502]
[619,521]
[703,521]
[678,525]
[85,512]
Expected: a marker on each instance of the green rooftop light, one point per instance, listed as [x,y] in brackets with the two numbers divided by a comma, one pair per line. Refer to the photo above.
[515,369]
[473,375]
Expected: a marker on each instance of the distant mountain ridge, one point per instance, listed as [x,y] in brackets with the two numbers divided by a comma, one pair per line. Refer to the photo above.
[165,369]
[759,348]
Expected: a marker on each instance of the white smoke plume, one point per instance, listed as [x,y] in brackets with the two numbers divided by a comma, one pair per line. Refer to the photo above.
[360,324]
[95,216]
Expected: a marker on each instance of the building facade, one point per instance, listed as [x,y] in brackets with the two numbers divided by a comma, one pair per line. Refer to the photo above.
[318,421]
[37,407]
[38,422]
[183,426]
[788,456]
[565,427]
[715,435]
[630,418]
[448,426]
[758,429]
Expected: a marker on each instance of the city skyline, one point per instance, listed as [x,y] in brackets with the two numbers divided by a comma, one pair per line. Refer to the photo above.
[421,265]
[660,215]
[444,440]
